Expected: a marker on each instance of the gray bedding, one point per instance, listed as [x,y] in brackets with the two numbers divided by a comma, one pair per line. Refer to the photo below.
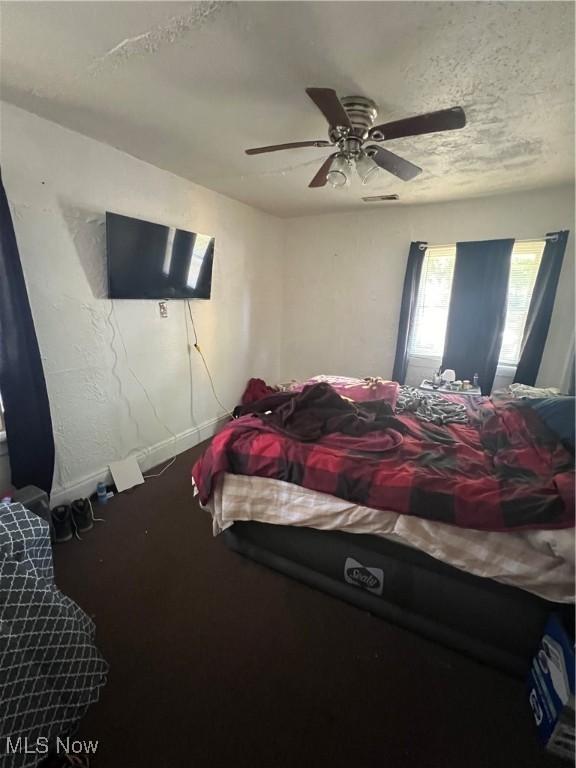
[50,668]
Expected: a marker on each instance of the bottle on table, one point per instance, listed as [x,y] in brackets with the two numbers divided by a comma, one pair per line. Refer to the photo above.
[476,380]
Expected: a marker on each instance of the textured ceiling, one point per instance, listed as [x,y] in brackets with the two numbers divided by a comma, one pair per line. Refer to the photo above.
[189,86]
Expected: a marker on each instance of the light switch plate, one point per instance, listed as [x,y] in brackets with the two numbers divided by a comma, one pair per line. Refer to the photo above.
[163,307]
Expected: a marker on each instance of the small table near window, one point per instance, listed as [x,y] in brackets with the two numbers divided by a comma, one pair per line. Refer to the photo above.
[427,386]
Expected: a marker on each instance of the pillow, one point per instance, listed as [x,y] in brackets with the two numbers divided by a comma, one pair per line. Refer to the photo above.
[558,415]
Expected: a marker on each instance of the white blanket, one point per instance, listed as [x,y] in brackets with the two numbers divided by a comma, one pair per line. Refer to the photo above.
[541,562]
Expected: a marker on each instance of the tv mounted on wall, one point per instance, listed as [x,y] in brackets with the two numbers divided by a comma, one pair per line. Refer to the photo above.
[153,261]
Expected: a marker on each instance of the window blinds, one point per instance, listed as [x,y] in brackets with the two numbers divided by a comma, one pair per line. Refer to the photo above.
[526,259]
[431,316]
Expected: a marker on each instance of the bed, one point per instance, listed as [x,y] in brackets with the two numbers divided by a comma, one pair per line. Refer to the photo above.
[462,532]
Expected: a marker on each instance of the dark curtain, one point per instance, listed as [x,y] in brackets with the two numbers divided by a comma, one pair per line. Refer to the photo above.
[477,310]
[540,310]
[407,309]
[27,411]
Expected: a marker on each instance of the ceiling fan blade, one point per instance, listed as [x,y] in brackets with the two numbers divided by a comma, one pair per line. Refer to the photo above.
[330,105]
[320,179]
[393,163]
[293,145]
[432,122]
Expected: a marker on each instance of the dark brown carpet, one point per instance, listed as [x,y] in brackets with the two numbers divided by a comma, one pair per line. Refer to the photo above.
[217,661]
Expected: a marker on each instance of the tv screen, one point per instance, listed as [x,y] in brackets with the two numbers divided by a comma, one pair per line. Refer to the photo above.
[152,261]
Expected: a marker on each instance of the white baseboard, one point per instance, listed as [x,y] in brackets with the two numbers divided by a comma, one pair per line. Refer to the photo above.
[151,457]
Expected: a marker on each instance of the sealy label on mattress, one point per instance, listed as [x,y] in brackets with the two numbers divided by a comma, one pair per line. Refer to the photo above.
[371,579]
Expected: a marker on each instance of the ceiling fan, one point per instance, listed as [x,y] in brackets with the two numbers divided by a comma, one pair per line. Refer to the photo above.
[351,128]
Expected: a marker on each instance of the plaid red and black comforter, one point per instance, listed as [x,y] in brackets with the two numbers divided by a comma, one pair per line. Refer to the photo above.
[504,471]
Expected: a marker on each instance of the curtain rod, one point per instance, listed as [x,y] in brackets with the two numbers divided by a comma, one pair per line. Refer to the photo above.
[552,238]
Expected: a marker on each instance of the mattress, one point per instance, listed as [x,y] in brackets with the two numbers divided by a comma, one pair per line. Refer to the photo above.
[540,562]
[491,622]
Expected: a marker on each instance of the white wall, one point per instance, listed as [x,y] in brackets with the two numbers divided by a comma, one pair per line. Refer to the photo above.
[343,277]
[147,397]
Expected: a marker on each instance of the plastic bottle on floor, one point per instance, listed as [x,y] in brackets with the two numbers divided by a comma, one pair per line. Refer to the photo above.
[102,493]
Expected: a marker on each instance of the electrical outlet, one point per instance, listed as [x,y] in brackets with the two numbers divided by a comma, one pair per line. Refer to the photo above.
[163,307]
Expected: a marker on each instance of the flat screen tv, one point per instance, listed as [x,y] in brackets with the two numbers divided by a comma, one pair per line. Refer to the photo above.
[152,261]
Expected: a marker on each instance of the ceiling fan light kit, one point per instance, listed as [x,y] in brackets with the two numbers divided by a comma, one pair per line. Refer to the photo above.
[367,168]
[351,125]
[339,174]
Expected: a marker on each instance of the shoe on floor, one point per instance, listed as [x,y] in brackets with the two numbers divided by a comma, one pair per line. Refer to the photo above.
[62,523]
[82,518]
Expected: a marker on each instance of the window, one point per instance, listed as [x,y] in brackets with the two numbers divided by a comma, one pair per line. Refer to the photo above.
[526,258]
[431,315]
[433,300]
